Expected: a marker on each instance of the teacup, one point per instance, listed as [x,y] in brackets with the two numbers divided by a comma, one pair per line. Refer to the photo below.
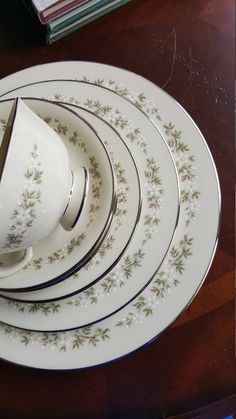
[37,187]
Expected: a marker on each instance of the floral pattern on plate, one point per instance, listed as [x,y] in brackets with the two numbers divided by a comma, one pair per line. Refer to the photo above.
[132,263]
[186,249]
[61,256]
[184,160]
[128,209]
[143,307]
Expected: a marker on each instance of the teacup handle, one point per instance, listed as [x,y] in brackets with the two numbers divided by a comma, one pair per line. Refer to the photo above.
[9,270]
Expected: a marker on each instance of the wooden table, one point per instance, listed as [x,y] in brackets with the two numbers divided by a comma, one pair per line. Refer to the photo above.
[186,47]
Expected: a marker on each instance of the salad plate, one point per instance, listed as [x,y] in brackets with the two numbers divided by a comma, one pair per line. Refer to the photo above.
[129,203]
[187,263]
[157,223]
[63,253]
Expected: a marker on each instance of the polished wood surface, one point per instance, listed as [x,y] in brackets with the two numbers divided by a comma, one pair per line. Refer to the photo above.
[186,47]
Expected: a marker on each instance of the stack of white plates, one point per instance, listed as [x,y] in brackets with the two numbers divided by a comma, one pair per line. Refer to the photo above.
[148,232]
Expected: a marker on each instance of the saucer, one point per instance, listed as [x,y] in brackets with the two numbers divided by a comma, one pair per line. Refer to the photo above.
[122,228]
[158,218]
[63,253]
[185,266]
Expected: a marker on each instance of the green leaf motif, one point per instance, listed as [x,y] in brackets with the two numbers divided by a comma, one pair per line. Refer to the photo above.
[153,196]
[58,255]
[184,163]
[63,341]
[33,308]
[140,100]
[72,136]
[132,262]
[164,281]
[114,117]
[3,123]
[29,197]
[24,215]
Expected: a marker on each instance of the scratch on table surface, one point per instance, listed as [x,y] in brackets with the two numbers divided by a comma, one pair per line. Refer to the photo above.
[191,72]
[171,34]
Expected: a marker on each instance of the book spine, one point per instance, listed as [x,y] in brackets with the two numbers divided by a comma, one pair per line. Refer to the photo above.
[51,38]
[77,16]
[69,13]
[45,15]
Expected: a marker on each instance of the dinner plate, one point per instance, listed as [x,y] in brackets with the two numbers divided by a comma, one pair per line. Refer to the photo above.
[190,256]
[63,253]
[122,228]
[158,218]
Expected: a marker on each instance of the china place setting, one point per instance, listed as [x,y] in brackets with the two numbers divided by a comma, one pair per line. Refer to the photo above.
[109,214]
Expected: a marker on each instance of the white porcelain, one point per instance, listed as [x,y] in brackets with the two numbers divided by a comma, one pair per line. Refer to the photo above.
[123,226]
[63,252]
[184,268]
[158,218]
[34,168]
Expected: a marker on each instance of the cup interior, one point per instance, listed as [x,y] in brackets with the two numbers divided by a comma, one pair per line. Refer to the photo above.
[4,147]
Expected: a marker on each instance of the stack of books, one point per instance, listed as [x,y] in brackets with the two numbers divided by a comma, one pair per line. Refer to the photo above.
[61,17]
